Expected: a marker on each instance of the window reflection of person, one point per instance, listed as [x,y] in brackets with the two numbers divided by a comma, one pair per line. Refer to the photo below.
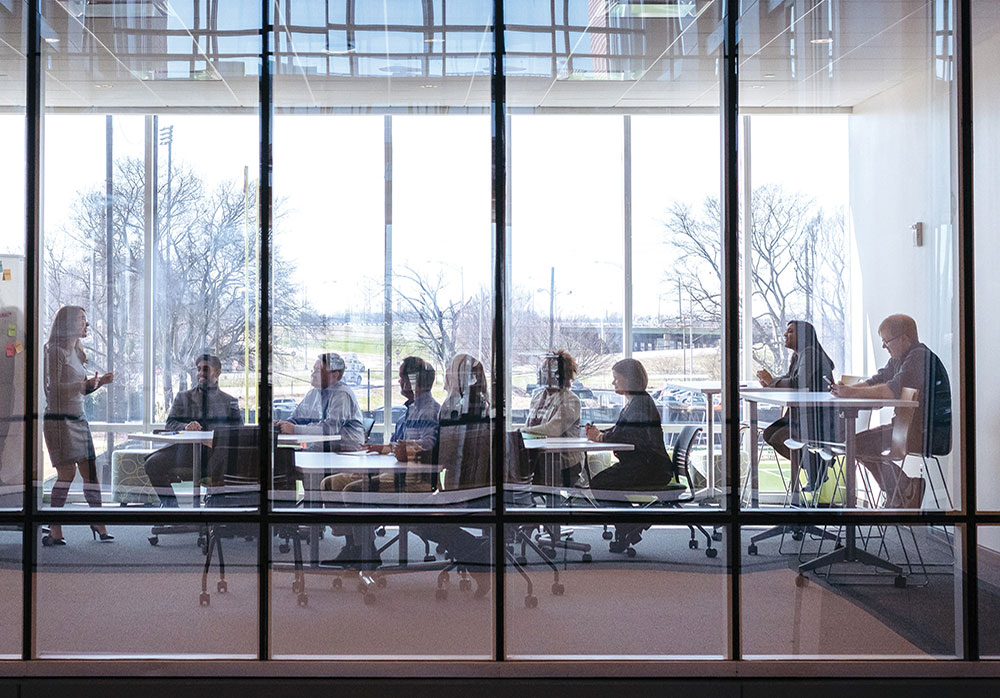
[202,408]
[810,369]
[911,365]
[555,412]
[464,454]
[66,430]
[648,466]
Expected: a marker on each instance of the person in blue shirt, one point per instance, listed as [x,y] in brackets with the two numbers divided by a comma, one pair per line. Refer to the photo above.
[330,408]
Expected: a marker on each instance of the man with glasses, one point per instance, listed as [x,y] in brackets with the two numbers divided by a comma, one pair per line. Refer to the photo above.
[911,365]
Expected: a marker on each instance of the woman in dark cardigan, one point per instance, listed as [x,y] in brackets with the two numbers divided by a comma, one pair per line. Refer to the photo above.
[648,467]
[810,369]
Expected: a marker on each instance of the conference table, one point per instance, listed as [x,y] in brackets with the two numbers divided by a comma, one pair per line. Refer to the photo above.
[847,410]
[554,445]
[197,439]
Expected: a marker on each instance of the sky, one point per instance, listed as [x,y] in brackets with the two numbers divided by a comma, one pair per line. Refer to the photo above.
[567,197]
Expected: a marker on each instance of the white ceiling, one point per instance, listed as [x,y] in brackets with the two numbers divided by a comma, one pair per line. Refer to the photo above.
[150,55]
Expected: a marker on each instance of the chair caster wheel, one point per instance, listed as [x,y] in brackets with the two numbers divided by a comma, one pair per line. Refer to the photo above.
[693,544]
[439,549]
[607,535]
[204,599]
[154,540]
[530,601]
[549,553]
[630,552]
[711,552]
[369,599]
[587,557]
[381,582]
[797,535]
[751,549]
[221,587]
[303,600]
[522,560]
[899,582]
[558,589]
[441,594]
[337,583]
[296,587]
[444,579]
[429,558]
[465,585]
[283,548]
[801,580]
[717,536]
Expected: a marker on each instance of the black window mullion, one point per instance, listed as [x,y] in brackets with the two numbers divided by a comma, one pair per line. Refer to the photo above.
[966,316]
[729,93]
[264,333]
[498,107]
[32,209]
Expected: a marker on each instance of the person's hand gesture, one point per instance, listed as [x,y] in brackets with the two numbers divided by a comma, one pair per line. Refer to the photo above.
[105,379]
[286,427]
[765,377]
[193,426]
[593,433]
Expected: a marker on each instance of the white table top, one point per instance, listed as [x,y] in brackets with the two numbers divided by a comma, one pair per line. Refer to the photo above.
[356,461]
[556,445]
[205,438]
[800,398]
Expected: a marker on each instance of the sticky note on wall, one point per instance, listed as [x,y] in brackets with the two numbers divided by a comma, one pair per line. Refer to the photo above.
[10,350]
[6,274]
[18,347]
[12,331]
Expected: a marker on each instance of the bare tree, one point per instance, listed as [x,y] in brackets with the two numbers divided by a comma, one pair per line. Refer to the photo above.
[434,317]
[797,265]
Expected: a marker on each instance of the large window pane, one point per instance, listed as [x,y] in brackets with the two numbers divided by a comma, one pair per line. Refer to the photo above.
[13,277]
[89,594]
[150,232]
[853,611]
[848,235]
[662,600]
[421,591]
[382,265]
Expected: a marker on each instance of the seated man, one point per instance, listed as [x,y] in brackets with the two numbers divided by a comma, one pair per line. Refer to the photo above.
[415,436]
[202,408]
[329,408]
[911,365]
[413,441]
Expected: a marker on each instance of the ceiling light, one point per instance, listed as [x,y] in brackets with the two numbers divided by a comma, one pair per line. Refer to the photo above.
[339,51]
[51,40]
[821,41]
[768,75]
[103,85]
[670,9]
[428,87]
[433,41]
[757,87]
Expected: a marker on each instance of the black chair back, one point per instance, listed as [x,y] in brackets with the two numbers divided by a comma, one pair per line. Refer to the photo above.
[368,423]
[464,452]
[682,454]
[234,467]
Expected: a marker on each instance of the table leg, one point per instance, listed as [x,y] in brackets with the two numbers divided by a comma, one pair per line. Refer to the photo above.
[754,457]
[710,425]
[196,477]
[850,551]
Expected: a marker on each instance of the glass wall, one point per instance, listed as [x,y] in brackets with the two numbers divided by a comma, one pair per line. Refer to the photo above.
[468,297]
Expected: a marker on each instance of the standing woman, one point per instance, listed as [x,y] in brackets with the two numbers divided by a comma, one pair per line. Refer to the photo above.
[67,433]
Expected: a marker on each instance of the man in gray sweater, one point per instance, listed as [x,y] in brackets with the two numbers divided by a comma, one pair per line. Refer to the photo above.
[202,408]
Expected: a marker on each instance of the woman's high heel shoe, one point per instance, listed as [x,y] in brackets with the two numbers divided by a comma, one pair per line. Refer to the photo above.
[104,536]
[48,540]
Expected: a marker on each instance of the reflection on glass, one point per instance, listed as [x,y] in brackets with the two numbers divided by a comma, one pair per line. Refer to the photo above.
[417,591]
[853,611]
[988,557]
[831,304]
[12,579]
[89,594]
[662,600]
[13,279]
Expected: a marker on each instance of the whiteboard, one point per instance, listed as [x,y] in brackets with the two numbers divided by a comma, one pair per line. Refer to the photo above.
[12,373]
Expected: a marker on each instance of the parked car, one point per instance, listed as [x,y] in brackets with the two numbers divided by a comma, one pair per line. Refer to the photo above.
[354,371]
[282,407]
